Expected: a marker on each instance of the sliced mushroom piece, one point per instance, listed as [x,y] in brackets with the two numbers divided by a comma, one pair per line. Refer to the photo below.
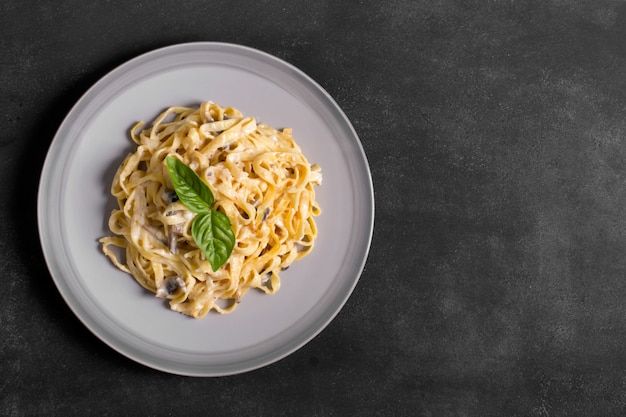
[265,214]
[170,197]
[170,285]
[175,232]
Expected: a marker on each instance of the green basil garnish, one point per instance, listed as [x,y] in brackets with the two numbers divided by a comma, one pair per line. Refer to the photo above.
[190,189]
[213,235]
[211,229]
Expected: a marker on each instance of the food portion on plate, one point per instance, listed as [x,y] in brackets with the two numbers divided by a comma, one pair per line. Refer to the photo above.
[210,205]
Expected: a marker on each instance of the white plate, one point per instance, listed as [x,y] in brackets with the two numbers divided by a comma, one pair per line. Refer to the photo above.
[74,204]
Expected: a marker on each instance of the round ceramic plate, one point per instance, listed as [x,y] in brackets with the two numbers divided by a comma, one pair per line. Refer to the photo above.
[74,204]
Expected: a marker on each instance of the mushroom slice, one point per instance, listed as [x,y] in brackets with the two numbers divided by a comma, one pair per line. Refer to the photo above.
[170,285]
[265,214]
[175,232]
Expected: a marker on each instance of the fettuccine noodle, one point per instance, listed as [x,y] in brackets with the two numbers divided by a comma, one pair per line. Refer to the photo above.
[260,180]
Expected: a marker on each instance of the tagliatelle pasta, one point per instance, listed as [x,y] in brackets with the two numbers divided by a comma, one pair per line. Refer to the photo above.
[260,180]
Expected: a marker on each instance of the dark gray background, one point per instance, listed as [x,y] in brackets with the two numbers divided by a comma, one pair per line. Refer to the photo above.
[496,136]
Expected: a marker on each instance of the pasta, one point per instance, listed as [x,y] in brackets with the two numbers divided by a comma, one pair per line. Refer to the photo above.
[260,180]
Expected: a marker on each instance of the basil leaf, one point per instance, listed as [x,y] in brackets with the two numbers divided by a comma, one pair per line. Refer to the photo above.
[214,236]
[191,190]
[211,229]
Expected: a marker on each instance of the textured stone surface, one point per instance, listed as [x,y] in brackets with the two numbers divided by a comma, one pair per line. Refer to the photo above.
[496,137]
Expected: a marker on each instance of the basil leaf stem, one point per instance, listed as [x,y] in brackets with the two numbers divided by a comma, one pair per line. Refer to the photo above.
[210,229]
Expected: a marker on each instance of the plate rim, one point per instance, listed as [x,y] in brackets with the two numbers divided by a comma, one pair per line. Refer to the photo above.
[49,172]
